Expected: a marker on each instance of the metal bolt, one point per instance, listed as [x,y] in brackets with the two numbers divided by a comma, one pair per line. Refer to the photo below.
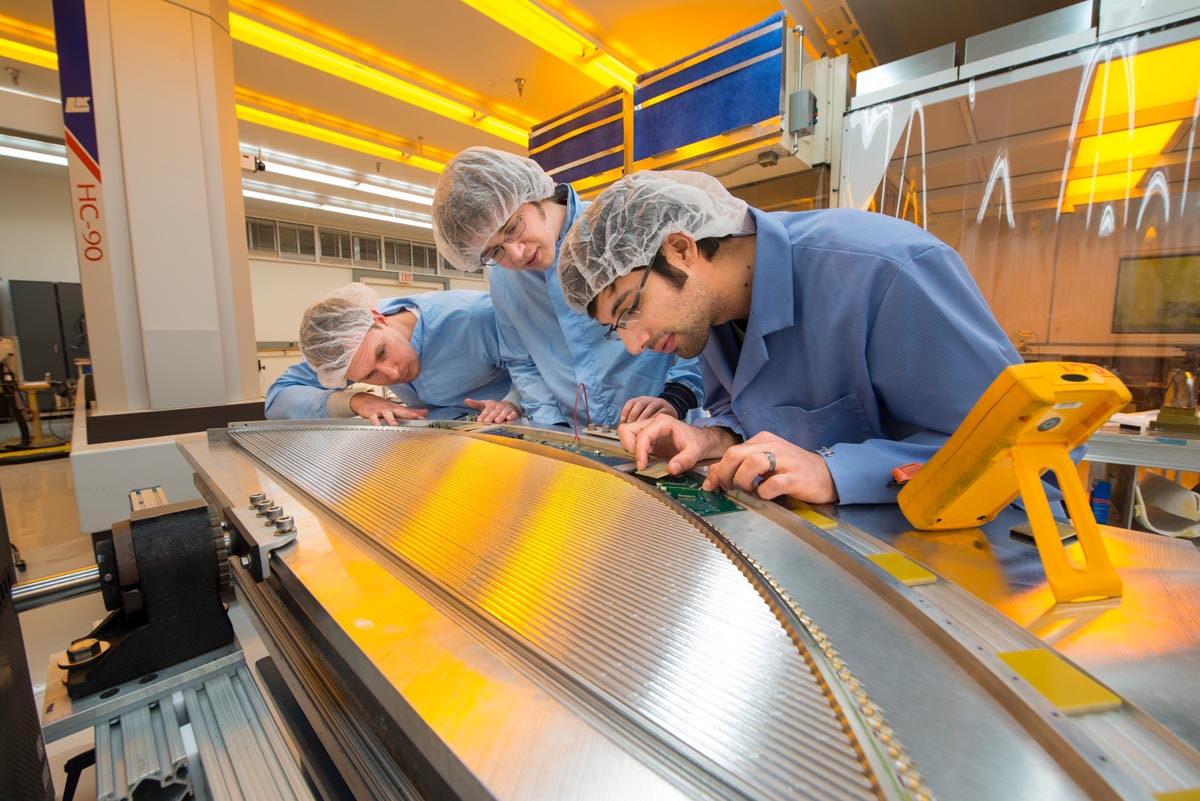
[273,513]
[1046,425]
[285,525]
[263,505]
[256,499]
[83,650]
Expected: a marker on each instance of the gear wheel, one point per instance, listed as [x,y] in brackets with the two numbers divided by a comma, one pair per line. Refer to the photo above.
[221,547]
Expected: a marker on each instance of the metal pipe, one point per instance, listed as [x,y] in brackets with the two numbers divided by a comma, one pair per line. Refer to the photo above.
[58,587]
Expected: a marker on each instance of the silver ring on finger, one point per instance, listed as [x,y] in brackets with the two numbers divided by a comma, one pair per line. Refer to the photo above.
[771,461]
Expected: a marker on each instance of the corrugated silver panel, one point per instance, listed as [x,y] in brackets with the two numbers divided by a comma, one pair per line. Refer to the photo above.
[632,604]
[140,753]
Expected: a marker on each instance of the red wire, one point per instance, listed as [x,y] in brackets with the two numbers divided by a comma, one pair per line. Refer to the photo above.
[587,411]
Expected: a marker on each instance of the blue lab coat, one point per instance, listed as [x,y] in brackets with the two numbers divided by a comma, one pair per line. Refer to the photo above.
[867,337]
[455,339]
[550,349]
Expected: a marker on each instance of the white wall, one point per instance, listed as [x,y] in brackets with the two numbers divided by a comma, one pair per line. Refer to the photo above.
[38,242]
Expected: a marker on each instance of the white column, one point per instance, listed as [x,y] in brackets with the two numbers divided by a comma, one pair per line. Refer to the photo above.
[168,295]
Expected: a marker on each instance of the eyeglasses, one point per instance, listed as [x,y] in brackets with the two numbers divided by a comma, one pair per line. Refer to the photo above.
[631,314]
[510,234]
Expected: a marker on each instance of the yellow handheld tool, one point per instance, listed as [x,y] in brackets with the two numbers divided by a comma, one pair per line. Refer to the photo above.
[1024,424]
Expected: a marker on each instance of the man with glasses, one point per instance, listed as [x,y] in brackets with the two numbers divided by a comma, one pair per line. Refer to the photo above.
[836,345]
[502,212]
[438,354]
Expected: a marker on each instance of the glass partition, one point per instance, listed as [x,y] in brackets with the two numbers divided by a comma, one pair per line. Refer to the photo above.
[1071,187]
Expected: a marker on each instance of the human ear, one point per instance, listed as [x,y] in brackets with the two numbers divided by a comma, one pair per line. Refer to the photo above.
[680,250]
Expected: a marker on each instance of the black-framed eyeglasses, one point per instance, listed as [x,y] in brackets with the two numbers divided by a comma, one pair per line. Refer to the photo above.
[632,313]
[511,233]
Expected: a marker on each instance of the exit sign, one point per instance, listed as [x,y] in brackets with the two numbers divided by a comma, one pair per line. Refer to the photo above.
[405,278]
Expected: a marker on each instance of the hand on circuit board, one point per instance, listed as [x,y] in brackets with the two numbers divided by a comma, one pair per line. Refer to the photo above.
[493,411]
[378,410]
[667,437]
[784,469]
[644,408]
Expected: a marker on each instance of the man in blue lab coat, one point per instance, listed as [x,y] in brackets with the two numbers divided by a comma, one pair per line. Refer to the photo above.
[836,344]
[504,213]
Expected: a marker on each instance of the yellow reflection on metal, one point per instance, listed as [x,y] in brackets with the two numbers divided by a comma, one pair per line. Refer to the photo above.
[398,151]
[28,54]
[1103,185]
[1120,146]
[530,21]
[282,44]
[1160,77]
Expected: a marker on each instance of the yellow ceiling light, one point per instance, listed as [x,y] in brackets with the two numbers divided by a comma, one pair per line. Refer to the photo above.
[314,31]
[1103,186]
[1161,77]
[20,29]
[310,131]
[28,54]
[1123,145]
[256,34]
[530,21]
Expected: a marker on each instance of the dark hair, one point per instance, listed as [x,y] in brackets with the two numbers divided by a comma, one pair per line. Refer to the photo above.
[672,274]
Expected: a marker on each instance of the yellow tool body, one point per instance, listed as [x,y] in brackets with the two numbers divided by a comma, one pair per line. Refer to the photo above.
[1024,424]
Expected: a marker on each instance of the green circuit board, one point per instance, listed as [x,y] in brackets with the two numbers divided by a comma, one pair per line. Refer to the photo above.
[702,502]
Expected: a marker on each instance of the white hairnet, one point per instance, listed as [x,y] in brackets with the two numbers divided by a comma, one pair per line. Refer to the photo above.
[627,223]
[476,194]
[333,328]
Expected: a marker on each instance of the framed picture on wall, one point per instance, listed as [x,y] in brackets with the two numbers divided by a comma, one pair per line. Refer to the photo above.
[1158,295]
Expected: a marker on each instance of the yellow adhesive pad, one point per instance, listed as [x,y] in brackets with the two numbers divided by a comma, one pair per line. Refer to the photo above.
[1179,795]
[903,569]
[1069,689]
[811,515]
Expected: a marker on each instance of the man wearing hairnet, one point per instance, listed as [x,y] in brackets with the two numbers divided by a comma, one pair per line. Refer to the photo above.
[503,212]
[836,345]
[437,353]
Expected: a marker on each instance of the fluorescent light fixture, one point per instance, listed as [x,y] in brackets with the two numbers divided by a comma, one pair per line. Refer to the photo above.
[395,194]
[530,21]
[256,34]
[416,221]
[281,168]
[287,201]
[371,215]
[29,155]
[309,131]
[27,54]
[309,175]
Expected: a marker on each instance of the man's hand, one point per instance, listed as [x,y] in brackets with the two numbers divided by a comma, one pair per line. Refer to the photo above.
[493,411]
[378,410]
[644,408]
[799,473]
[670,438]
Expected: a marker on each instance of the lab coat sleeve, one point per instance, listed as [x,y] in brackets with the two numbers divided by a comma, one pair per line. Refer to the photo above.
[687,372]
[536,398]
[298,395]
[934,348]
[719,405]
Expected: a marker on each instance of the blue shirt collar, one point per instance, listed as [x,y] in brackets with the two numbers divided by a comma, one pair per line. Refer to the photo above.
[772,305]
